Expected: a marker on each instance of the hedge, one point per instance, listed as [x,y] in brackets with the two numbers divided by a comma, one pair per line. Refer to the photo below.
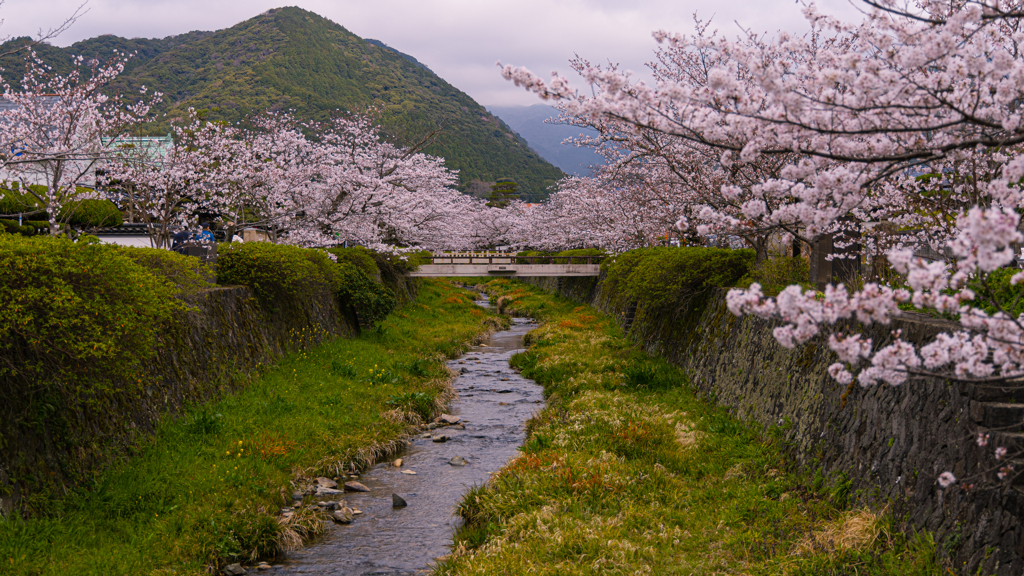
[90,213]
[283,275]
[183,273]
[76,322]
[14,201]
[359,257]
[371,300]
[279,274]
[665,278]
[12,227]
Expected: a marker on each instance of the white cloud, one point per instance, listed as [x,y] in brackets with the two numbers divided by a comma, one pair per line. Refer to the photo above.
[460,40]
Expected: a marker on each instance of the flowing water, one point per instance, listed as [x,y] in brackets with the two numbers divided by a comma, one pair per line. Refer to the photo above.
[493,403]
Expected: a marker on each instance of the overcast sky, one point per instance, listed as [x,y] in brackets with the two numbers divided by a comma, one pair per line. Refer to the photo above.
[460,40]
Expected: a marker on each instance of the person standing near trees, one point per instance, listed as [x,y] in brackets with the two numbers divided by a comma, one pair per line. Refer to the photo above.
[181,236]
[205,235]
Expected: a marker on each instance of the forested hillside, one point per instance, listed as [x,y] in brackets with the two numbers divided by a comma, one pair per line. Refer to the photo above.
[292,59]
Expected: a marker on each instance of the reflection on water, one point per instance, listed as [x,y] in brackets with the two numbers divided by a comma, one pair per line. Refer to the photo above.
[494,403]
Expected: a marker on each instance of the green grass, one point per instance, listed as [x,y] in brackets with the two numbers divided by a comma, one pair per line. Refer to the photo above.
[205,491]
[627,471]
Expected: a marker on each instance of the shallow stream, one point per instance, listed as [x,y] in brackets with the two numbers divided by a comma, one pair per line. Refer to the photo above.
[493,403]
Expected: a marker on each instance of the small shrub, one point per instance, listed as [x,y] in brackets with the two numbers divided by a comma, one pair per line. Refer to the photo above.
[371,300]
[282,276]
[92,213]
[359,257]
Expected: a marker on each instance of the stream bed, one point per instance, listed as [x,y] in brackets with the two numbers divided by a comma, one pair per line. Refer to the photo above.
[493,404]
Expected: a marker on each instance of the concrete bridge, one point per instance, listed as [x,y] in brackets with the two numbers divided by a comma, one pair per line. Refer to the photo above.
[498,264]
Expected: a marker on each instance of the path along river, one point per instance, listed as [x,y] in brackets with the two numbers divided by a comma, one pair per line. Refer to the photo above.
[494,403]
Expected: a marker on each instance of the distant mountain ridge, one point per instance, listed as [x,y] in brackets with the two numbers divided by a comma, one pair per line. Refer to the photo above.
[293,59]
[546,138]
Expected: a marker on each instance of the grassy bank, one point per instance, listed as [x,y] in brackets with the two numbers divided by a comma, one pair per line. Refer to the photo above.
[628,472]
[205,491]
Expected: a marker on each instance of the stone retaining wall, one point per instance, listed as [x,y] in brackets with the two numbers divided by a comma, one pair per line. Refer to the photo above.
[891,443]
[214,348]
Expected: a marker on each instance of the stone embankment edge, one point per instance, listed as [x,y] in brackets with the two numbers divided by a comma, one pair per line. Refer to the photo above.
[891,443]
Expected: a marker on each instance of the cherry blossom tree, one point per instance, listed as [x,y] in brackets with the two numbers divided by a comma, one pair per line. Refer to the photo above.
[323,183]
[166,186]
[601,211]
[58,129]
[708,192]
[910,116]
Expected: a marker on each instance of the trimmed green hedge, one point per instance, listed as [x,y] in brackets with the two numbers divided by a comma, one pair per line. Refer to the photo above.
[76,323]
[666,278]
[279,274]
[182,272]
[359,257]
[14,201]
[283,275]
[12,227]
[26,228]
[92,214]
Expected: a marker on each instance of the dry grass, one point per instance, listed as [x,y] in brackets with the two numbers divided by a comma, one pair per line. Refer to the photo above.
[853,530]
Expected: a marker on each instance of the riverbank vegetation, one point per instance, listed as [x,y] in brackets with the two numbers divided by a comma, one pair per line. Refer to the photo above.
[627,471]
[205,489]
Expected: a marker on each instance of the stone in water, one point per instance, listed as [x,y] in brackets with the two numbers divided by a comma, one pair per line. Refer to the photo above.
[353,486]
[409,472]
[326,482]
[458,461]
[398,502]
[342,516]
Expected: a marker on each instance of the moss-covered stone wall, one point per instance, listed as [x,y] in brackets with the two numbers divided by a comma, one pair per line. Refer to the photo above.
[889,443]
[215,347]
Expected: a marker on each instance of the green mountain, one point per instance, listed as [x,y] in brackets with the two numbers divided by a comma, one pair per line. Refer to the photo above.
[292,59]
